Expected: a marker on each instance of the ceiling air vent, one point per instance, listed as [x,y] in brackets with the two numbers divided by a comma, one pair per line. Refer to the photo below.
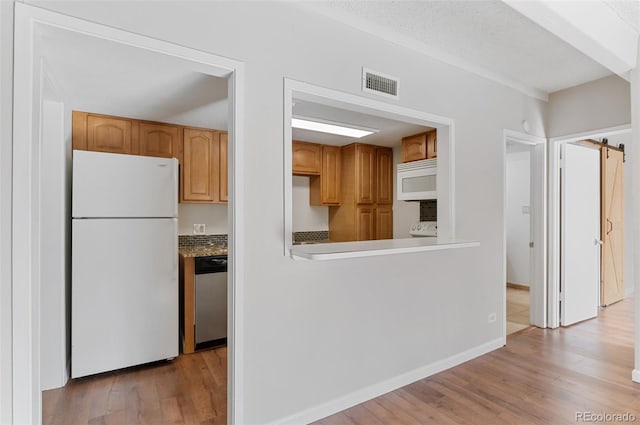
[379,83]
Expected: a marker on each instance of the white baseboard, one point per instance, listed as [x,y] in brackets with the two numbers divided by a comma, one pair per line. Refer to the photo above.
[334,406]
[635,375]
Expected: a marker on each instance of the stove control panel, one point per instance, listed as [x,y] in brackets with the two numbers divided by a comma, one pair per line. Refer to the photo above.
[424,228]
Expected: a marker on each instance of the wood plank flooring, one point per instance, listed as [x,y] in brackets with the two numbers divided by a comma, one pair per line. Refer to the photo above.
[517,309]
[540,377]
[192,389]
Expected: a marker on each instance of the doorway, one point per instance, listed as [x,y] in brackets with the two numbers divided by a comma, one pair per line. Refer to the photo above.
[622,249]
[525,289]
[30,24]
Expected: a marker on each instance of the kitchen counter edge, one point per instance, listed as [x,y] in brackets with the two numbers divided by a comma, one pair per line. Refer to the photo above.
[341,250]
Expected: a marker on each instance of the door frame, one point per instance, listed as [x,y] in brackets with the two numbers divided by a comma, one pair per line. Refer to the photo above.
[25,385]
[554,211]
[538,303]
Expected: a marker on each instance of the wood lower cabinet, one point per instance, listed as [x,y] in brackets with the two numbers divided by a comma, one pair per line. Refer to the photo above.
[161,140]
[420,146]
[307,158]
[325,188]
[366,210]
[365,223]
[200,178]
[384,222]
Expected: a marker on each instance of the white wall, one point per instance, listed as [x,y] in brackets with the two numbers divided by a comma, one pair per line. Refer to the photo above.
[518,223]
[387,315]
[213,216]
[595,105]
[307,217]
[6,97]
[404,213]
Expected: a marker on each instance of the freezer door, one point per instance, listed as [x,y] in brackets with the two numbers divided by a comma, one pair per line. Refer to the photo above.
[124,305]
[115,185]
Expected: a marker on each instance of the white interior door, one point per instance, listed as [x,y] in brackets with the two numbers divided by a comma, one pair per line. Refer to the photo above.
[580,234]
[537,270]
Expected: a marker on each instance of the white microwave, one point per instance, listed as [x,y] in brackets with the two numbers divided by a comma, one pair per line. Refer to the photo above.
[417,180]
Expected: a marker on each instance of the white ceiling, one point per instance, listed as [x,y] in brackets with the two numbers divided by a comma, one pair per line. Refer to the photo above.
[487,37]
[390,132]
[627,10]
[100,76]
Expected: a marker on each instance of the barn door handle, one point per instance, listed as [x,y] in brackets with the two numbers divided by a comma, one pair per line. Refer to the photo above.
[610,223]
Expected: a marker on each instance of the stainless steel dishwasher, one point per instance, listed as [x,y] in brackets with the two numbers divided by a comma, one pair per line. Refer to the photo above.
[211,300]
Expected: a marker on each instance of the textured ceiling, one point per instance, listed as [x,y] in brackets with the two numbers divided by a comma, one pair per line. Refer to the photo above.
[488,35]
[627,10]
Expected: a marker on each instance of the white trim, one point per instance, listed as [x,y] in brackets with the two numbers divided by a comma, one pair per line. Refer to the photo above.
[6,130]
[383,32]
[538,312]
[603,132]
[25,388]
[553,246]
[592,27]
[635,375]
[298,89]
[348,400]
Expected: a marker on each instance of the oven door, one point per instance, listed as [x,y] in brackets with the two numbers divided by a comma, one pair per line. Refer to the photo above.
[417,184]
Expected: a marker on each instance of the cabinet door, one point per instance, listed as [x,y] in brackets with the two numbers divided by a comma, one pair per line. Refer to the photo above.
[384,172]
[325,188]
[224,168]
[307,158]
[432,144]
[200,182]
[365,223]
[384,222]
[414,148]
[160,140]
[365,174]
[106,134]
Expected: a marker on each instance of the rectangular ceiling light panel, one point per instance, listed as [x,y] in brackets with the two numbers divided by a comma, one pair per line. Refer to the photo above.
[322,126]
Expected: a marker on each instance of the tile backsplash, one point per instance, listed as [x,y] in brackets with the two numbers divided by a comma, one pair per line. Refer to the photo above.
[317,235]
[429,210]
[199,240]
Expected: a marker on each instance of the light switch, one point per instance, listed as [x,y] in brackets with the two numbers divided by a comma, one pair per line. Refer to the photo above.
[525,209]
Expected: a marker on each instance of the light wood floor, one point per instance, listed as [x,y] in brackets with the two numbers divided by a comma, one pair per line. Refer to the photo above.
[541,377]
[192,389]
[517,309]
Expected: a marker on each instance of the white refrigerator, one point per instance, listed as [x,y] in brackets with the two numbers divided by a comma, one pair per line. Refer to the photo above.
[124,282]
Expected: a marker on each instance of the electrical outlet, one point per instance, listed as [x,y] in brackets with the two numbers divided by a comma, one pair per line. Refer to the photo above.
[492,317]
[199,229]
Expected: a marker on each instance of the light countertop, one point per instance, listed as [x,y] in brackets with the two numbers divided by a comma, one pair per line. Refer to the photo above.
[334,251]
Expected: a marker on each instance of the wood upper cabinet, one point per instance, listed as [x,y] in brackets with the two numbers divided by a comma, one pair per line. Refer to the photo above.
[162,140]
[384,222]
[103,134]
[420,146]
[199,174]
[307,158]
[365,174]
[365,223]
[224,166]
[325,188]
[384,174]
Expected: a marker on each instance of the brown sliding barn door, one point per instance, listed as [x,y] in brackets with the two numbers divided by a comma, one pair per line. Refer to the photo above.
[612,258]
